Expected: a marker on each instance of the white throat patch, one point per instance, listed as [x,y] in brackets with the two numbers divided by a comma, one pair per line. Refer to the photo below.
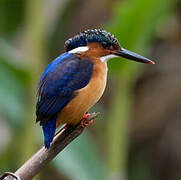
[79,49]
[107,57]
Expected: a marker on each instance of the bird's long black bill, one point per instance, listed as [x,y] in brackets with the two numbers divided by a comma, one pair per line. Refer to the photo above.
[132,56]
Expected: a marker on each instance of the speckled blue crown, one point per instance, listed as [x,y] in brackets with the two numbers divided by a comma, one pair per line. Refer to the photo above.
[90,35]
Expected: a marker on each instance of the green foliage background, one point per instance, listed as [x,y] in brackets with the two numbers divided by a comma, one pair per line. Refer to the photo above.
[27,40]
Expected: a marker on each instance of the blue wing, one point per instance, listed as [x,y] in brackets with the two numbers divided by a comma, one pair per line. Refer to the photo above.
[56,87]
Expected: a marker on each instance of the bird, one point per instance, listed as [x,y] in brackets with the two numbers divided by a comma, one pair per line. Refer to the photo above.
[72,83]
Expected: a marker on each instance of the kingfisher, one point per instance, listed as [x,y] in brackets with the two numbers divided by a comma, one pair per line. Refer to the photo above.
[72,83]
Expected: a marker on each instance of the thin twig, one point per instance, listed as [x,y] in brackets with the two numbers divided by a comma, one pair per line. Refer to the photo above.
[41,158]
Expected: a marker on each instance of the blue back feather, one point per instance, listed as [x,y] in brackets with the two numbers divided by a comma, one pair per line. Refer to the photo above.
[53,64]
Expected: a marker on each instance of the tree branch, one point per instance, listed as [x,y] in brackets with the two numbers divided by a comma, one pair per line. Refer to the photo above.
[41,158]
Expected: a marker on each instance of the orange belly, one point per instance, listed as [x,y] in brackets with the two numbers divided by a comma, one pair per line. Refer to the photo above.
[86,97]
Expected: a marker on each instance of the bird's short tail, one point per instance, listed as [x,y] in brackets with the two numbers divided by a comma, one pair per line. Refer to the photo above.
[49,131]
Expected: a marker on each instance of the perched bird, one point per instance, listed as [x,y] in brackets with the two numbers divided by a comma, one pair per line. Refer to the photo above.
[73,82]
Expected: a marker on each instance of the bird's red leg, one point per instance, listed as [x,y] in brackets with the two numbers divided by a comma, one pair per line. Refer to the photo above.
[83,123]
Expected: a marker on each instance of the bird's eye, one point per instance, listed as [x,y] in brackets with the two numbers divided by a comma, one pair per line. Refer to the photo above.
[104,44]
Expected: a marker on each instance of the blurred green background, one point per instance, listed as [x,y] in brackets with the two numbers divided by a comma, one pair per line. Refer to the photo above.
[137,136]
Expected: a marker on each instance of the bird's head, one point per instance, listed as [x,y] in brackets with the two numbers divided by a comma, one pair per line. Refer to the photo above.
[100,44]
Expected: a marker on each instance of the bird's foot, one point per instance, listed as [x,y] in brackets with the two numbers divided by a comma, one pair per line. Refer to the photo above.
[83,123]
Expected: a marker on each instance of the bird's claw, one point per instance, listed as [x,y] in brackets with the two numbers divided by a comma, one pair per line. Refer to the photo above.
[83,123]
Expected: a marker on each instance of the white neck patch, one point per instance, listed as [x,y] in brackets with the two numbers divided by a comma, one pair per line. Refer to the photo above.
[79,49]
[107,57]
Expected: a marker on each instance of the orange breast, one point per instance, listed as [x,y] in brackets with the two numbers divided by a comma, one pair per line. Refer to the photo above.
[73,112]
